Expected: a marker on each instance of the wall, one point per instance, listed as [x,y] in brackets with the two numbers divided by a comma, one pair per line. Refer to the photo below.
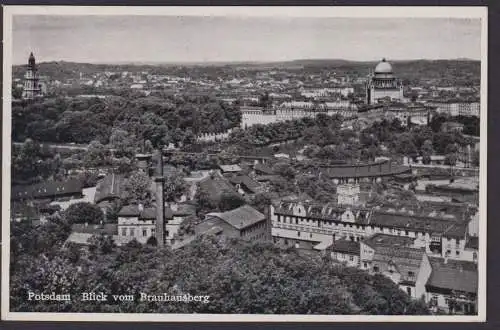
[350,260]
[134,228]
[422,277]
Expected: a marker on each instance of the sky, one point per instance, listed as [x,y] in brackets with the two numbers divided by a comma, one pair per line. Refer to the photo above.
[113,39]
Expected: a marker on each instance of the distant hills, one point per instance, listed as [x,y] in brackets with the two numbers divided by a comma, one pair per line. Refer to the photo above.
[461,71]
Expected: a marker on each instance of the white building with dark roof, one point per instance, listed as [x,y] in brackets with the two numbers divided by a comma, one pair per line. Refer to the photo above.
[244,222]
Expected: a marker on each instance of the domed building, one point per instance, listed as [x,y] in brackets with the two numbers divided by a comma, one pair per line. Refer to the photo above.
[383,84]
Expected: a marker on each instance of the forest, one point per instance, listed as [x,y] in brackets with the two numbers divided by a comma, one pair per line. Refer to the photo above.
[238,276]
[176,119]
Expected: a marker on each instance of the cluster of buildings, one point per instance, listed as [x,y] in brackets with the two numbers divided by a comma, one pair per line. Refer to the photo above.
[430,249]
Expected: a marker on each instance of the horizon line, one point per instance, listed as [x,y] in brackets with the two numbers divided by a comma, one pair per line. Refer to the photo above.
[146,62]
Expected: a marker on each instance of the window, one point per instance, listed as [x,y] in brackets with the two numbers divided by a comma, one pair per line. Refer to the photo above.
[411,274]
[351,258]
[144,232]
[457,253]
[124,231]
[365,265]
[152,231]
[408,290]
[298,233]
[406,232]
[375,269]
[132,232]
[474,256]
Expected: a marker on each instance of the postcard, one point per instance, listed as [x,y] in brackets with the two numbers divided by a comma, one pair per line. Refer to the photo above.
[282,164]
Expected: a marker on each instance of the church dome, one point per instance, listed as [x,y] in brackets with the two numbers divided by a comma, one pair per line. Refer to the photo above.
[383,67]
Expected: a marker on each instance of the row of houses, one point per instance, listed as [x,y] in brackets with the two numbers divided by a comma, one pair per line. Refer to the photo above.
[445,284]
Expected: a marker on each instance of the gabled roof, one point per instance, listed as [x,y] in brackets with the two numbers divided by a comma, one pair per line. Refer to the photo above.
[147,213]
[230,168]
[247,182]
[364,170]
[345,246]
[109,229]
[263,168]
[438,225]
[388,240]
[48,189]
[454,275]
[241,217]
[472,243]
[110,187]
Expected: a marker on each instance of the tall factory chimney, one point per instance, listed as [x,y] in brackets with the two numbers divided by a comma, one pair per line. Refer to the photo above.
[160,202]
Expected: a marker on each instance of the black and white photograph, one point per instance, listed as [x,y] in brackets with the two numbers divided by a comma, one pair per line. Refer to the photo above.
[244,164]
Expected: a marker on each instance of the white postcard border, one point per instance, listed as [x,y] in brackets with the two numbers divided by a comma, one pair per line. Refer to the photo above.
[348,12]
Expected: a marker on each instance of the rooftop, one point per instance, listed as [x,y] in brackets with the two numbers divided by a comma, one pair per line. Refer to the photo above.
[146,213]
[230,168]
[110,187]
[364,170]
[109,229]
[241,217]
[48,189]
[388,240]
[454,275]
[345,246]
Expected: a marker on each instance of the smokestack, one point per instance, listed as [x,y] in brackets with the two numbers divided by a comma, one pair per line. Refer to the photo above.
[160,203]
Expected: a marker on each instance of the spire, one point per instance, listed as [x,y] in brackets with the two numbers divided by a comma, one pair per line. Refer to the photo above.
[31,60]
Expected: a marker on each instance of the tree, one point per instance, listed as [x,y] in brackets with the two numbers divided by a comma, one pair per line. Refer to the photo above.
[451,159]
[97,155]
[138,189]
[427,151]
[102,243]
[83,213]
[175,186]
[123,142]
[229,201]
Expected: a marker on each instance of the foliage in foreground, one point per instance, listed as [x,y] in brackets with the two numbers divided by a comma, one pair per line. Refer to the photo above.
[239,277]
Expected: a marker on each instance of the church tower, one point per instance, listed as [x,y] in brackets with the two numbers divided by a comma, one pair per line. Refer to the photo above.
[32,87]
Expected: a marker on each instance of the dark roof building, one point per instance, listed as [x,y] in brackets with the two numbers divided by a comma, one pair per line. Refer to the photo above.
[452,275]
[367,170]
[262,169]
[345,246]
[111,187]
[48,190]
[243,222]
[146,213]
[246,183]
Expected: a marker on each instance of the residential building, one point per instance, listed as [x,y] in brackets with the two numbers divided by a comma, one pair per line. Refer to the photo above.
[345,251]
[244,222]
[452,286]
[407,266]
